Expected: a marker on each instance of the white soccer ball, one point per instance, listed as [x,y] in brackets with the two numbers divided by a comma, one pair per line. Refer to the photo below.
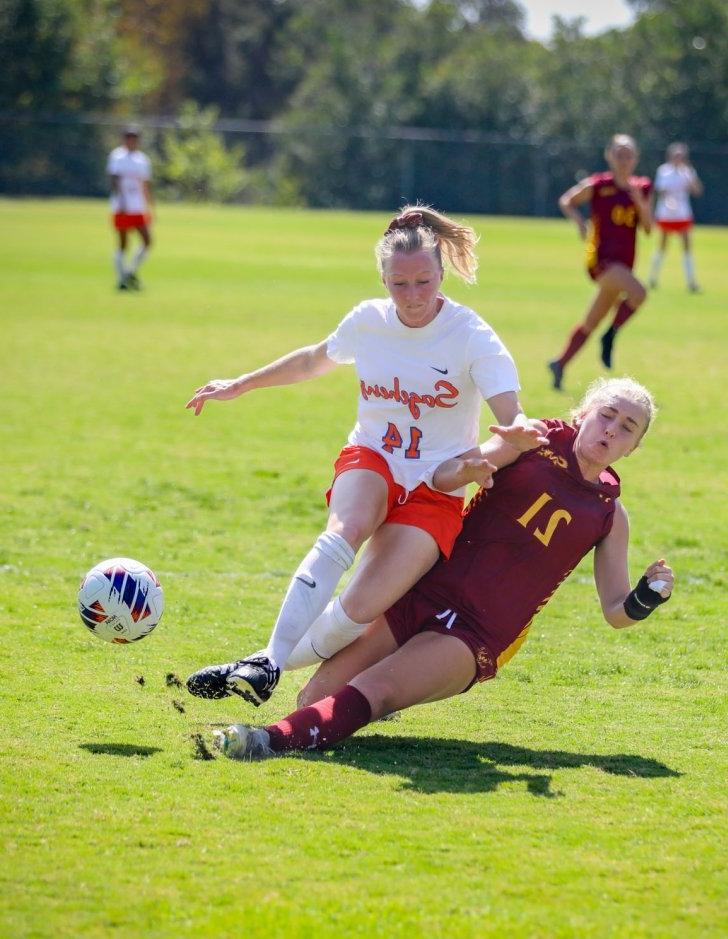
[120,600]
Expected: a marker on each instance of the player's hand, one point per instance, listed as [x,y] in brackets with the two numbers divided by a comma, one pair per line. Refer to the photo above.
[661,573]
[459,471]
[637,196]
[582,226]
[219,389]
[522,437]
[476,470]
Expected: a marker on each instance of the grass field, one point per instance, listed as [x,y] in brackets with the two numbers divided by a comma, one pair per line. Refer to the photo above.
[581,794]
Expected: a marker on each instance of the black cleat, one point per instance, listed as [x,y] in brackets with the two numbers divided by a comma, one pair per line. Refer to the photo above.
[133,282]
[211,682]
[122,285]
[254,679]
[607,341]
[557,373]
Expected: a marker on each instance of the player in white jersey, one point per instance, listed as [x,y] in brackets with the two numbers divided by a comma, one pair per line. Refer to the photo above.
[675,182]
[130,173]
[424,364]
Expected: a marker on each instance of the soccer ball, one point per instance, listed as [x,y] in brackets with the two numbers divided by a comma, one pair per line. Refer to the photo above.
[120,600]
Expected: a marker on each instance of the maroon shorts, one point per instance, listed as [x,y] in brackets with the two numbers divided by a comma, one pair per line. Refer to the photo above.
[416,613]
[437,513]
[123,221]
[596,270]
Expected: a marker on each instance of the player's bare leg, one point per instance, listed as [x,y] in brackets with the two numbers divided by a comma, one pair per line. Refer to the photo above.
[139,255]
[119,267]
[428,667]
[619,278]
[394,560]
[358,506]
[688,263]
[657,258]
[375,643]
[600,305]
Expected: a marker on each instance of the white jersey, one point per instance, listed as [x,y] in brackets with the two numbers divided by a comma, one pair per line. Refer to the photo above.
[420,389]
[133,169]
[672,184]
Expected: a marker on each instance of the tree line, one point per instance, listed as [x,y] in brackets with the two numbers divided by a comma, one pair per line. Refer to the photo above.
[364,103]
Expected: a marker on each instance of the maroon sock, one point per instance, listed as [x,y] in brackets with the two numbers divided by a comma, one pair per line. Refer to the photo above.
[576,340]
[624,311]
[322,724]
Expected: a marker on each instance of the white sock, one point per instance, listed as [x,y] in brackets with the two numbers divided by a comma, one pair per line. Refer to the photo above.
[139,255]
[689,268]
[119,264]
[308,593]
[333,630]
[656,265]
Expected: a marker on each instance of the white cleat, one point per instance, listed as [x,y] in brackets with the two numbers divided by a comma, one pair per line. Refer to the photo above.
[242,742]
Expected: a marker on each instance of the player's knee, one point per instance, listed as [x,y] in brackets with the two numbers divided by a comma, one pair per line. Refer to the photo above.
[354,531]
[638,295]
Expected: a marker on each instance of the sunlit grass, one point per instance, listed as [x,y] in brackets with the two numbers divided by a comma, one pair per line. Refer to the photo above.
[581,794]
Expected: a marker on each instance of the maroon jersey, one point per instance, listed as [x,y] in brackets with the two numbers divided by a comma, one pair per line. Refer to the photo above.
[614,220]
[520,540]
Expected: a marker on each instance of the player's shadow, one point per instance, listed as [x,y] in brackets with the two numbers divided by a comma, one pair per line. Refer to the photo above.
[119,749]
[463,766]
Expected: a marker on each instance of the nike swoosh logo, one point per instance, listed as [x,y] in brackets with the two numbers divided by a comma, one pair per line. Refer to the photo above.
[442,371]
[308,581]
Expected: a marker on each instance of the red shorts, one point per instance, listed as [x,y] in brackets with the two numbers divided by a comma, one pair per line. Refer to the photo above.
[123,221]
[684,224]
[437,513]
[596,271]
[416,613]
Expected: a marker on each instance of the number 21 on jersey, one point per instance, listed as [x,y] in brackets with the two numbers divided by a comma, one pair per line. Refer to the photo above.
[557,515]
[392,441]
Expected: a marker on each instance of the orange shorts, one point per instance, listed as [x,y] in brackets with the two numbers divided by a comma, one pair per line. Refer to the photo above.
[123,221]
[437,513]
[684,224]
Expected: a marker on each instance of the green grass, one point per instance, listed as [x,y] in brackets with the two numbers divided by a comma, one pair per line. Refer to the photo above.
[581,794]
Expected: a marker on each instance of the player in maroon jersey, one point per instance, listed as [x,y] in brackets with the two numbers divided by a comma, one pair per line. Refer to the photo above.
[463,620]
[619,203]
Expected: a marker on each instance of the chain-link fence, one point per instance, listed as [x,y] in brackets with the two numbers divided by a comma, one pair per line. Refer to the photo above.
[358,168]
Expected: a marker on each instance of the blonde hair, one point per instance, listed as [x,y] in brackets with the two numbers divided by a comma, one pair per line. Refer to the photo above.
[604,390]
[429,230]
[622,140]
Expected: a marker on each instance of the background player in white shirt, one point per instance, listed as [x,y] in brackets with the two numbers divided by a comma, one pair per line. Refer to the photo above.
[675,182]
[424,364]
[130,172]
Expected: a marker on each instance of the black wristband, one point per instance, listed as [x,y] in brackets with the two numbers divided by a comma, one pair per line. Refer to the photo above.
[643,600]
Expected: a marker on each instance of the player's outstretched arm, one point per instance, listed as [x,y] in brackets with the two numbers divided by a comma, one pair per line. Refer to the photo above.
[300,365]
[521,432]
[577,195]
[621,605]
[476,465]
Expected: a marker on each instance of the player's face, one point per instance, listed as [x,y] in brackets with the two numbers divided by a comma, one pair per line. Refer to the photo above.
[611,430]
[413,281]
[131,141]
[622,159]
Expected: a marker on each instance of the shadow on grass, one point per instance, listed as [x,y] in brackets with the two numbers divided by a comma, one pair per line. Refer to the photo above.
[119,749]
[462,766]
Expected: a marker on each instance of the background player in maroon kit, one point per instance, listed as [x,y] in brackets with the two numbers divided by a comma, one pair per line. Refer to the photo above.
[619,203]
[462,621]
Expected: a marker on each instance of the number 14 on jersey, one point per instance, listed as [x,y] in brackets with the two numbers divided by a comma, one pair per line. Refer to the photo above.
[392,441]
